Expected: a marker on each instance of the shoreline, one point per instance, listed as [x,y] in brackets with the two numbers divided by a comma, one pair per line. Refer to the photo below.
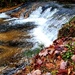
[9,8]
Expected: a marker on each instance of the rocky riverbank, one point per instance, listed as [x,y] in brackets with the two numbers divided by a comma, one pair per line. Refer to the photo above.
[9,8]
[68,29]
[13,40]
[16,4]
[58,58]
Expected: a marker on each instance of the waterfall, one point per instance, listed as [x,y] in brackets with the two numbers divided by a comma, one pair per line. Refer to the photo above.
[48,25]
[48,22]
[36,23]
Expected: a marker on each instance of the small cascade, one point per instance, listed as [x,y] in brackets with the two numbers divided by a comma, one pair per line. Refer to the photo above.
[48,26]
[48,18]
[38,24]
[48,22]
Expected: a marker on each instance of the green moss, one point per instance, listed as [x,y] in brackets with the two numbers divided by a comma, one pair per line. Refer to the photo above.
[68,30]
[68,54]
[30,53]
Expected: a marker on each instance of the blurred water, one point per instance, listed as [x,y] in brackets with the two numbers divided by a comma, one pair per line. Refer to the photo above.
[48,20]
[41,26]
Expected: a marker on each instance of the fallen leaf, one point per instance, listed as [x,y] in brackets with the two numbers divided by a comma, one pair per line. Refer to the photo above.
[50,65]
[73,58]
[63,64]
[62,72]
[39,61]
[36,72]
[43,53]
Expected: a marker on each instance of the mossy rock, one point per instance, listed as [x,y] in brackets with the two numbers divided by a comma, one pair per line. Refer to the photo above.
[68,30]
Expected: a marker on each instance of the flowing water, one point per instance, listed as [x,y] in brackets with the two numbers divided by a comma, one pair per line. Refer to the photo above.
[37,23]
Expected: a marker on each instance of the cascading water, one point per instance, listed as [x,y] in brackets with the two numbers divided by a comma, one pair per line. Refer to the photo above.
[42,25]
[48,22]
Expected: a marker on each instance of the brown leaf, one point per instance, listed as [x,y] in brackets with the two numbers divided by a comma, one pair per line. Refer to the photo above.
[63,71]
[39,61]
[69,71]
[73,58]
[43,53]
[58,63]
[36,72]
[50,65]
[63,64]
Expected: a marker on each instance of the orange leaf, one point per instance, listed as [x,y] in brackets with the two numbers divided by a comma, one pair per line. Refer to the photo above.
[50,65]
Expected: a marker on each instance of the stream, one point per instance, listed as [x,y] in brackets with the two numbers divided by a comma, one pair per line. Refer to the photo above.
[27,26]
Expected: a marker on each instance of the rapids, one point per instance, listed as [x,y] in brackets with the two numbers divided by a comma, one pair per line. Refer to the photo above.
[49,19]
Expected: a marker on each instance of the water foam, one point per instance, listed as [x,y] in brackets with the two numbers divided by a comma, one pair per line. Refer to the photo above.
[3,15]
[48,23]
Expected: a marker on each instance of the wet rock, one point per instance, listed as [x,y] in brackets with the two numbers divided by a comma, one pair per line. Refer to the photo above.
[7,26]
[68,30]
[24,10]
[2,68]
[19,44]
[17,68]
[2,42]
[13,43]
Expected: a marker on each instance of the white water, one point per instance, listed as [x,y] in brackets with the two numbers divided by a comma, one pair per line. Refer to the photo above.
[3,15]
[48,23]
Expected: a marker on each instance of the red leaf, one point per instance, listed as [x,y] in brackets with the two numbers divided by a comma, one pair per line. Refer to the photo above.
[62,71]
